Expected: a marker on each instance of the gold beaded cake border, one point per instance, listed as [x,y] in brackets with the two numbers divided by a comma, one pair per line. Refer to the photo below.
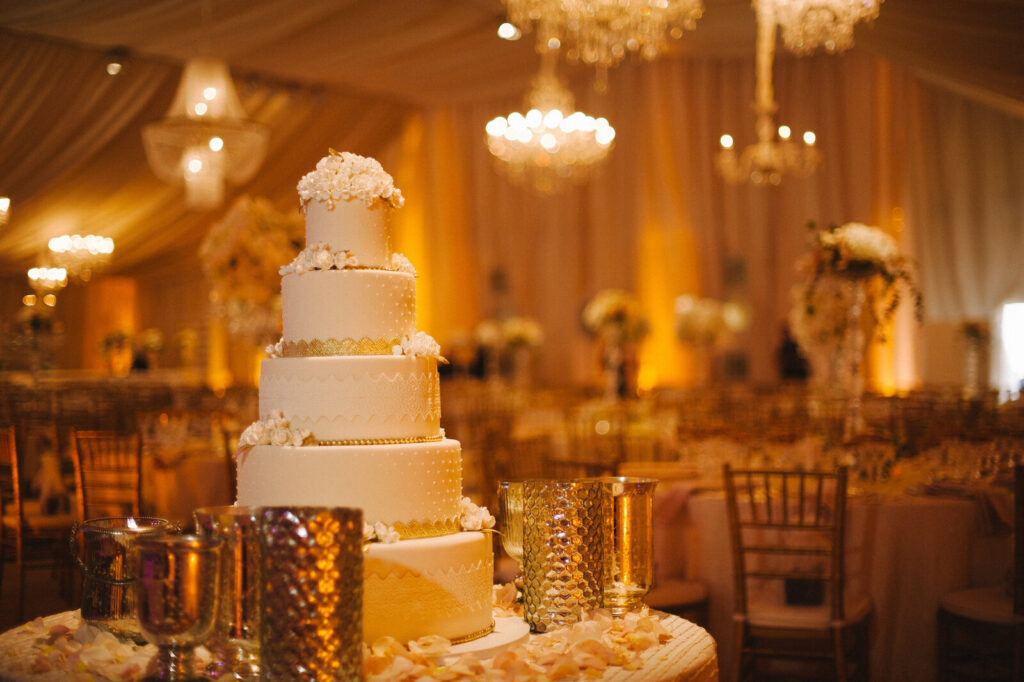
[383,441]
[473,635]
[328,347]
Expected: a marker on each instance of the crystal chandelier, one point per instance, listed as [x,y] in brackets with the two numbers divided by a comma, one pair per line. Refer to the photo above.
[5,210]
[548,145]
[47,280]
[775,153]
[602,32]
[81,256]
[809,24]
[205,138]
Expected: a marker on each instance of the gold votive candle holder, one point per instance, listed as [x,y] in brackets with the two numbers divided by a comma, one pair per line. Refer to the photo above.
[631,548]
[103,550]
[565,554]
[234,645]
[311,593]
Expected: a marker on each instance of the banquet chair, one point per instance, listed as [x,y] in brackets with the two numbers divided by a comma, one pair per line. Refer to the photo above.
[792,615]
[107,473]
[36,538]
[981,630]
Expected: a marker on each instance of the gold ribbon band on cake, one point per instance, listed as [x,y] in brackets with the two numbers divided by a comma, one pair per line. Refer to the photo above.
[427,529]
[473,635]
[328,347]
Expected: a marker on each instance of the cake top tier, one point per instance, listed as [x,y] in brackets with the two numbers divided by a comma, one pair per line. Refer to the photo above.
[345,176]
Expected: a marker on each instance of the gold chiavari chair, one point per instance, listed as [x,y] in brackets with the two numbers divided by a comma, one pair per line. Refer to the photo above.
[786,529]
[107,473]
[37,539]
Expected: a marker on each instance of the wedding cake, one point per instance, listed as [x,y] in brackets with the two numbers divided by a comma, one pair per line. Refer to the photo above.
[350,414]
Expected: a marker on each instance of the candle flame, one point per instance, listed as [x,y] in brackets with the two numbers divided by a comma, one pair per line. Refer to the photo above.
[131,524]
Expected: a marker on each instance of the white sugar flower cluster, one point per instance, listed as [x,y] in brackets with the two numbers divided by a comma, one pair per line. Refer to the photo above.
[399,263]
[343,176]
[420,344]
[475,517]
[380,532]
[275,350]
[586,650]
[275,430]
[320,257]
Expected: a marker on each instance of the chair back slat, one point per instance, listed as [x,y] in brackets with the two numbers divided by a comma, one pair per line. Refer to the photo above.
[10,484]
[107,473]
[1018,540]
[787,524]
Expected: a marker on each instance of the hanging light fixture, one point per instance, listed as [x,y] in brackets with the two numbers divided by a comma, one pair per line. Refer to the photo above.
[46,280]
[809,24]
[551,143]
[603,32]
[205,139]
[81,257]
[775,153]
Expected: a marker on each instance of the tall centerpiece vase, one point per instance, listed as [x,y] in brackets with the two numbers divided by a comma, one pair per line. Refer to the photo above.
[613,364]
[853,358]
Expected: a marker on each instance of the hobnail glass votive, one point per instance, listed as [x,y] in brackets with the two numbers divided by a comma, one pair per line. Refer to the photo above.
[311,593]
[565,553]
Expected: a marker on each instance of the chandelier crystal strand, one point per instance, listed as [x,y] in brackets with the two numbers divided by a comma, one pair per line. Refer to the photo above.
[551,143]
[809,24]
[604,32]
[774,153]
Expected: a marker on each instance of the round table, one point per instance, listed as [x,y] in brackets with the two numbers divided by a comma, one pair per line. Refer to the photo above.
[689,655]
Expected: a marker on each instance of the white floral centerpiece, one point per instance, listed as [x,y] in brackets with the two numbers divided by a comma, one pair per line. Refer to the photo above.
[707,322]
[241,257]
[854,277]
[522,332]
[615,318]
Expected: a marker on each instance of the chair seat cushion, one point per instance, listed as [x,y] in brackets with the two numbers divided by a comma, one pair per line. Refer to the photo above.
[985,604]
[774,614]
[676,592]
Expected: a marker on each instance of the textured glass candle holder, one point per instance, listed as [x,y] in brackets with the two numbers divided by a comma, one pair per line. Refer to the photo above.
[108,575]
[311,593]
[632,540]
[176,594]
[510,503]
[565,557]
[234,645]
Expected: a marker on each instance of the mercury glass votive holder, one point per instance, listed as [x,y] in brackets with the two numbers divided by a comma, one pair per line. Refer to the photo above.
[176,594]
[234,645]
[311,593]
[565,550]
[103,550]
[632,541]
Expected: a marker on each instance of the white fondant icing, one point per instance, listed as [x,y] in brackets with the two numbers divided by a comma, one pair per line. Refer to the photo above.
[348,304]
[355,397]
[434,586]
[414,483]
[353,226]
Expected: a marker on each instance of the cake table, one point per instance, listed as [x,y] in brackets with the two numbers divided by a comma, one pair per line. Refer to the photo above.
[689,655]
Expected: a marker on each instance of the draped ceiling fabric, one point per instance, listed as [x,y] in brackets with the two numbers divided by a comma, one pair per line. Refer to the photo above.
[922,128]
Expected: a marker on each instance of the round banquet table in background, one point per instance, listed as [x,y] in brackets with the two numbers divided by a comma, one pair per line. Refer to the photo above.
[689,655]
[905,551]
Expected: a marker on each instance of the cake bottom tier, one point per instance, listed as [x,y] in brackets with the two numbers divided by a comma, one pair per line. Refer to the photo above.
[431,586]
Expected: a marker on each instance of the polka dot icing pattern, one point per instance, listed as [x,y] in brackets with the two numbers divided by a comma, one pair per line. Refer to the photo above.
[355,397]
[415,487]
[348,304]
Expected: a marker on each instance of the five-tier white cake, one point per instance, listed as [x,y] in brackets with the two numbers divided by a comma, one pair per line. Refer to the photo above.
[350,414]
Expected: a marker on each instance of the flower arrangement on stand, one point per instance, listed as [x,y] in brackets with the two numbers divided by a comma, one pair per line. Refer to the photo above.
[853,280]
[614,317]
[241,256]
[707,324]
[507,346]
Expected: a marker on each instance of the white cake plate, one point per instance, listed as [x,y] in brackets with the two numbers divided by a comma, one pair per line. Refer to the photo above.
[507,632]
